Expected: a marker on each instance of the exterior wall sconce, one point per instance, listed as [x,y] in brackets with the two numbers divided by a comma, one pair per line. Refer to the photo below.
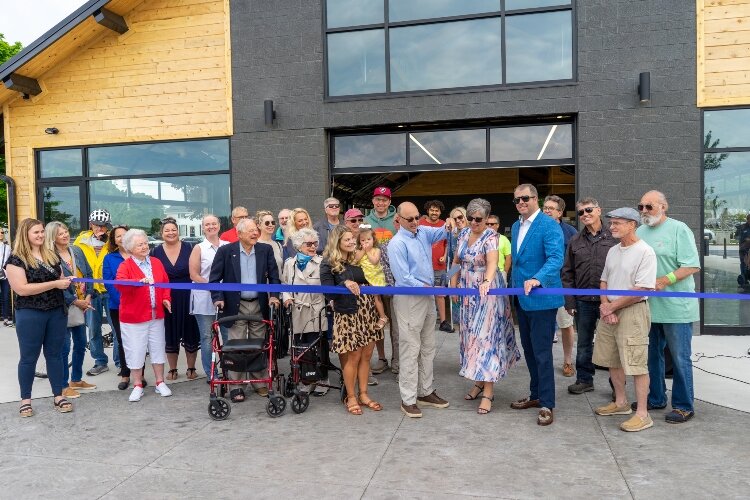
[644,87]
[52,131]
[268,112]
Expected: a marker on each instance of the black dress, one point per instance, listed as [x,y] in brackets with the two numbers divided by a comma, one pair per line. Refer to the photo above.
[180,326]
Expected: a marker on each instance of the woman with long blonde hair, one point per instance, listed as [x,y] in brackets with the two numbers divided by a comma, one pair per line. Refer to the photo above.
[355,320]
[298,219]
[35,275]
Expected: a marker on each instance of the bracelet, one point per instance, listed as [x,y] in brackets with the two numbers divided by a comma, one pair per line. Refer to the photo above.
[672,278]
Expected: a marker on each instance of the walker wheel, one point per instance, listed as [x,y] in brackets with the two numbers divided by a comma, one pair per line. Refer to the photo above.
[289,388]
[300,402]
[219,409]
[276,406]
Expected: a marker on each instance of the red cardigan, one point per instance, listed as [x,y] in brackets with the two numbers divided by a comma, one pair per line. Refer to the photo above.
[135,301]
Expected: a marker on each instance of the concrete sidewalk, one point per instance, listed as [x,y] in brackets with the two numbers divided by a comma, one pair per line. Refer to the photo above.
[170,448]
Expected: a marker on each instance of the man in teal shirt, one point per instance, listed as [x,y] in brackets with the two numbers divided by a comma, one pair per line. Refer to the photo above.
[671,317]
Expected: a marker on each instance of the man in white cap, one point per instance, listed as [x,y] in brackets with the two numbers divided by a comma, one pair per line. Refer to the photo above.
[622,334]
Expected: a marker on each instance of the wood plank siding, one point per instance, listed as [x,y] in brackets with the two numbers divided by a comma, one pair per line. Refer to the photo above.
[723,52]
[168,77]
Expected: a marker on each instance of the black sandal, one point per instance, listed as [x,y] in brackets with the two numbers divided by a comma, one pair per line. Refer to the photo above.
[172,374]
[469,397]
[189,372]
[63,405]
[485,411]
[124,385]
[26,411]
[236,394]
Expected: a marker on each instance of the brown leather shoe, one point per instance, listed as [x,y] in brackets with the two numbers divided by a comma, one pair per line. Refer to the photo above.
[546,416]
[411,411]
[568,370]
[432,400]
[525,403]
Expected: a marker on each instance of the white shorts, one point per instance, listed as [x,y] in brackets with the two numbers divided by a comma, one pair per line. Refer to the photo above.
[564,320]
[139,338]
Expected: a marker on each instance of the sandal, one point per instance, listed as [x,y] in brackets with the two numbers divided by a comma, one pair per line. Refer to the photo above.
[190,374]
[26,410]
[381,323]
[172,374]
[123,384]
[470,397]
[63,405]
[237,395]
[370,403]
[485,411]
[354,408]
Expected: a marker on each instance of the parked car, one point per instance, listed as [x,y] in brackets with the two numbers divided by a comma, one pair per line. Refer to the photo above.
[710,234]
[193,240]
[154,242]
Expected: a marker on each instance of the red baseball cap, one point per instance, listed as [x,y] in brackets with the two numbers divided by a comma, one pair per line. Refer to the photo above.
[382,191]
[353,212]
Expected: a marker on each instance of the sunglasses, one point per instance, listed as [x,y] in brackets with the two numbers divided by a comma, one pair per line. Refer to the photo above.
[310,244]
[474,219]
[587,210]
[459,217]
[269,223]
[524,199]
[409,220]
[492,223]
[333,206]
[648,207]
[166,220]
[358,220]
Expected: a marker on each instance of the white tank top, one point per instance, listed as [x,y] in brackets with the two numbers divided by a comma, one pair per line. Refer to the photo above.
[200,300]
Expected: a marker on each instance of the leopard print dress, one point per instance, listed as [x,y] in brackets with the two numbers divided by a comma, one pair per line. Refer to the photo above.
[356,330]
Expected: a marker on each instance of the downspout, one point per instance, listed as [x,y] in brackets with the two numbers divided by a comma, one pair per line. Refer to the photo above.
[12,215]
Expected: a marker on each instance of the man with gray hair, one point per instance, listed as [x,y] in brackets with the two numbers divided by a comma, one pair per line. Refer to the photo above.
[332,208]
[672,317]
[280,234]
[238,214]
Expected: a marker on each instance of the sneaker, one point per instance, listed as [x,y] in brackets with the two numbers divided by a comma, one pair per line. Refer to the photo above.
[411,411]
[568,370]
[613,409]
[555,339]
[97,370]
[162,389]
[136,394]
[321,390]
[432,400]
[675,416]
[394,369]
[446,327]
[580,387]
[649,406]
[70,393]
[380,366]
[262,391]
[82,385]
[40,375]
[636,423]
[372,380]
[8,323]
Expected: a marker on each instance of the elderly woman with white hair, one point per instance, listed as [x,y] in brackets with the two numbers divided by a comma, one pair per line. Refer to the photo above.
[306,308]
[142,312]
[488,339]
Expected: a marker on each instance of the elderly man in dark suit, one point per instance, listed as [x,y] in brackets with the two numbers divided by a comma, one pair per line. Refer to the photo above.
[247,262]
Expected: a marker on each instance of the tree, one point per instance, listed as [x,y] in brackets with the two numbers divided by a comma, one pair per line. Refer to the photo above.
[712,161]
[6,52]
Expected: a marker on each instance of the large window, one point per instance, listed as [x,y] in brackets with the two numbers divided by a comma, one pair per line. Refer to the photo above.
[391,46]
[726,211]
[139,184]
[449,149]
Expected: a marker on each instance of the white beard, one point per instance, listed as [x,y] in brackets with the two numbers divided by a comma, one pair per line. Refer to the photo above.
[651,220]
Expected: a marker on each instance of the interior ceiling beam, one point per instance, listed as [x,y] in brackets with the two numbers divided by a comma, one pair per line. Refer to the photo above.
[22,84]
[110,20]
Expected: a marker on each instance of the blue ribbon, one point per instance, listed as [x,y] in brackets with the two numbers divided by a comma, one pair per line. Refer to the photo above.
[390,290]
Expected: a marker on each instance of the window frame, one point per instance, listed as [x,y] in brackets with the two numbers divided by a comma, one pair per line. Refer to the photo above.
[502,14]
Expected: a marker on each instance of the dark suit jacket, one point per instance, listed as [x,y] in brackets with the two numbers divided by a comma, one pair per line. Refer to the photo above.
[226,268]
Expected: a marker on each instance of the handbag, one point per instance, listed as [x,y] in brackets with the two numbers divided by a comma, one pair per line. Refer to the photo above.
[75,315]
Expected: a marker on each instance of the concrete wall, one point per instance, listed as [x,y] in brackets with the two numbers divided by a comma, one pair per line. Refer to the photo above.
[624,148]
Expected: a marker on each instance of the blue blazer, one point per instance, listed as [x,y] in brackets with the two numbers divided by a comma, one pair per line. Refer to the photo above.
[540,257]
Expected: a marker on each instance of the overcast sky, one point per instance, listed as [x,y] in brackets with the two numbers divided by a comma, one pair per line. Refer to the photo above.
[26,21]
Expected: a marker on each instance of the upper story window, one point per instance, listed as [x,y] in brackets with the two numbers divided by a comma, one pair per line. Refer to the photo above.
[380,47]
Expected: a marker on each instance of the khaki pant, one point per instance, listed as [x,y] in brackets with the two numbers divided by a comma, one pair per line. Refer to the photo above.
[248,330]
[415,316]
[392,327]
[625,344]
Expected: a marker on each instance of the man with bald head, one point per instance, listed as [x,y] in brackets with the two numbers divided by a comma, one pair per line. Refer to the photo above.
[671,317]
[410,258]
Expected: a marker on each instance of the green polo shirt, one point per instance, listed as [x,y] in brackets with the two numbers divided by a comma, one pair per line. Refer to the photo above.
[674,244]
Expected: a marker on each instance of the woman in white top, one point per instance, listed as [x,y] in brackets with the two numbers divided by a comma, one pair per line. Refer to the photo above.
[6,316]
[267,226]
[201,305]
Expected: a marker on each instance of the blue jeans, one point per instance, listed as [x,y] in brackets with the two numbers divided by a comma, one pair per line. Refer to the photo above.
[78,333]
[115,342]
[537,330]
[94,323]
[204,327]
[587,314]
[678,336]
[5,312]
[35,330]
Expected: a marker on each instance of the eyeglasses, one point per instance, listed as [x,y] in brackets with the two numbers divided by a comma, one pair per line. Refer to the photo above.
[547,208]
[409,220]
[333,206]
[168,220]
[474,219]
[459,217]
[358,220]
[587,210]
[492,223]
[648,207]
[524,199]
[246,216]
[310,244]
[269,222]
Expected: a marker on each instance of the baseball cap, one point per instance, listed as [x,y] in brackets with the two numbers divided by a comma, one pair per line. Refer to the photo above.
[382,191]
[353,212]
[100,218]
[625,213]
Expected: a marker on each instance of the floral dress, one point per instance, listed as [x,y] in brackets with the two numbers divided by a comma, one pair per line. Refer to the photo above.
[488,339]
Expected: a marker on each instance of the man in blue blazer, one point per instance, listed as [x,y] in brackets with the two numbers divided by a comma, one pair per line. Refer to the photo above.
[537,253]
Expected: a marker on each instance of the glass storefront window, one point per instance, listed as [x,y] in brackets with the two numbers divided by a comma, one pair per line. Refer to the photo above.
[449,146]
[446,55]
[533,4]
[62,204]
[407,10]
[356,151]
[539,47]
[356,62]
[728,128]
[342,13]
[60,163]
[531,143]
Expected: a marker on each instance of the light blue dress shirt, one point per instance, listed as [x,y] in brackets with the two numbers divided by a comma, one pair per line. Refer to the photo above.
[248,273]
[410,255]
